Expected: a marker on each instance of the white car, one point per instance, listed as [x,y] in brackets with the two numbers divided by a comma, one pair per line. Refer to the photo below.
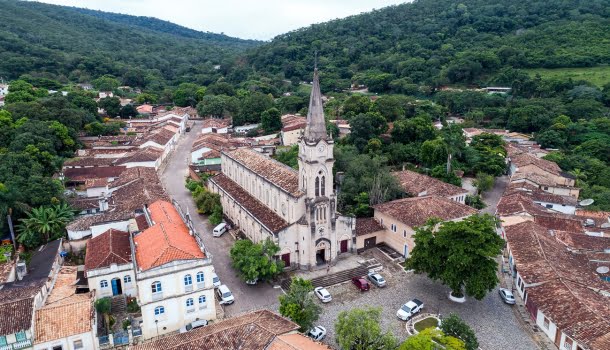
[225,295]
[409,309]
[193,325]
[322,294]
[215,280]
[317,333]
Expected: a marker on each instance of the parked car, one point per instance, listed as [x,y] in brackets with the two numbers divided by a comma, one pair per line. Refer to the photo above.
[317,333]
[193,325]
[376,279]
[361,283]
[219,229]
[507,296]
[215,280]
[322,294]
[252,282]
[409,309]
[225,295]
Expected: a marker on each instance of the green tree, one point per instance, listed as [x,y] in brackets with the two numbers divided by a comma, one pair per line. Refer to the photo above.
[211,105]
[299,304]
[256,260]
[252,106]
[112,105]
[105,83]
[459,254]
[104,307]
[454,326]
[484,182]
[271,120]
[128,111]
[359,329]
[432,339]
[289,156]
[454,141]
[418,129]
[44,224]
[186,95]
[355,105]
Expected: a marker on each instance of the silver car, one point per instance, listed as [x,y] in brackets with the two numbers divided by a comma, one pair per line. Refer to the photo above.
[322,294]
[376,279]
[507,296]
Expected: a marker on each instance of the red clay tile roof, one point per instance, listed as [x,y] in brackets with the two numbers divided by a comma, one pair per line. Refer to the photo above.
[216,123]
[539,195]
[273,171]
[211,154]
[148,154]
[415,184]
[579,240]
[80,203]
[85,222]
[272,221]
[110,247]
[556,222]
[167,240]
[82,174]
[296,341]
[89,161]
[251,331]
[365,226]
[161,137]
[93,183]
[63,320]
[17,309]
[416,211]
[523,159]
[141,222]
[518,203]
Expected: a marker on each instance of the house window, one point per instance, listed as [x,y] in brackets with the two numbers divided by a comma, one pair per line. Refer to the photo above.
[189,302]
[567,344]
[127,279]
[3,341]
[393,227]
[324,185]
[546,188]
[546,323]
[78,344]
[20,336]
[317,186]
[200,279]
[159,310]
[202,299]
[550,206]
[188,280]
[156,287]
[103,284]
[404,233]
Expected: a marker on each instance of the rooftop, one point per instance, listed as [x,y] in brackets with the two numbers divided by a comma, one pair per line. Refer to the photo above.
[40,266]
[82,174]
[89,161]
[539,195]
[261,212]
[85,222]
[16,309]
[524,159]
[416,211]
[110,247]
[63,320]
[216,123]
[167,240]
[147,154]
[251,331]
[273,171]
[417,184]
[296,341]
[518,203]
[365,226]
[556,222]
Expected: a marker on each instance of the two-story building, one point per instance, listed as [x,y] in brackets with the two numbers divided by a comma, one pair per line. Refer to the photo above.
[173,273]
[418,185]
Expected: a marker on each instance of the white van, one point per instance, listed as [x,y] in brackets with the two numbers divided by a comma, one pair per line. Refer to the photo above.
[215,280]
[225,295]
[219,230]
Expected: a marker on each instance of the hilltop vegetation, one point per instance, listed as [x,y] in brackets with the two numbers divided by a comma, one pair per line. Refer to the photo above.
[73,45]
[435,42]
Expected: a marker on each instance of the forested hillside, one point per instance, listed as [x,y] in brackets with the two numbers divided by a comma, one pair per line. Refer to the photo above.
[69,44]
[436,42]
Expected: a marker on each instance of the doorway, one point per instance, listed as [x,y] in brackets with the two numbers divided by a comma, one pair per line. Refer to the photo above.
[370,242]
[344,246]
[116,287]
[321,257]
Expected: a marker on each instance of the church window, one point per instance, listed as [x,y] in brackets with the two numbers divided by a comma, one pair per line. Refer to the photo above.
[317,186]
[324,185]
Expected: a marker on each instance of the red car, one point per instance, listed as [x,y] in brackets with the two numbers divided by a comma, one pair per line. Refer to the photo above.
[361,283]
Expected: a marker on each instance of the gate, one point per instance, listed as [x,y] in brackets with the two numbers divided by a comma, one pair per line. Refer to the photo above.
[121,338]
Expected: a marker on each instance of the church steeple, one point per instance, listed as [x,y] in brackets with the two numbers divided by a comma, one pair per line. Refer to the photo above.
[315,130]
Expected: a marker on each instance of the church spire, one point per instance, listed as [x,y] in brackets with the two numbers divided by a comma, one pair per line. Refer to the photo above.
[315,129]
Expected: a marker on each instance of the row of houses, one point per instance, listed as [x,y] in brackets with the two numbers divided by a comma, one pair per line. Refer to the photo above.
[558,252]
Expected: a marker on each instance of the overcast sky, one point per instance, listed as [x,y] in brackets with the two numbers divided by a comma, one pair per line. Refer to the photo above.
[248,19]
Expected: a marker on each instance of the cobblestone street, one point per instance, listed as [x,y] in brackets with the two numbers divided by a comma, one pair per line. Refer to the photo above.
[494,322]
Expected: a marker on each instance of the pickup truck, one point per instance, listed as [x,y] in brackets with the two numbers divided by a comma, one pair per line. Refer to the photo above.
[409,309]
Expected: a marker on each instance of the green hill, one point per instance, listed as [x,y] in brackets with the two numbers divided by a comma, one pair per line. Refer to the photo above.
[73,44]
[438,42]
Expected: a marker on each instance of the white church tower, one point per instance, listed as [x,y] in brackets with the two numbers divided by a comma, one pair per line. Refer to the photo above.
[316,181]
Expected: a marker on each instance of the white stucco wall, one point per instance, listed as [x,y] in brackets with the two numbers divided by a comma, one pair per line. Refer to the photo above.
[96,191]
[108,274]
[97,230]
[566,209]
[88,341]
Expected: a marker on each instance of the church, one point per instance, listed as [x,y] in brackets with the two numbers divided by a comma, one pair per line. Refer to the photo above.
[297,209]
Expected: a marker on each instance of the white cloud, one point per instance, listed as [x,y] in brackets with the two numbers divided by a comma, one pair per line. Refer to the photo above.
[249,19]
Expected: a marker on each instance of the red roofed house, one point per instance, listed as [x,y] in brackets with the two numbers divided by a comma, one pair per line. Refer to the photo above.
[109,266]
[401,217]
[417,185]
[292,129]
[173,273]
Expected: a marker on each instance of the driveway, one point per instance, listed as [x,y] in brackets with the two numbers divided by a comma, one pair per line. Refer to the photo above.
[493,322]
[492,197]
[247,298]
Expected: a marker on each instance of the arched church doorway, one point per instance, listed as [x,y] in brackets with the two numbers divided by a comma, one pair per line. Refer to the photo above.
[322,252]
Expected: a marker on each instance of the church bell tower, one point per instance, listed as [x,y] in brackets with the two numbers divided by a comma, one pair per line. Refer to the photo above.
[316,178]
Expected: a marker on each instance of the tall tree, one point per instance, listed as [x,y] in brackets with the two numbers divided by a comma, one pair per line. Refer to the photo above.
[454,326]
[359,329]
[432,339]
[299,304]
[256,260]
[459,254]
[44,223]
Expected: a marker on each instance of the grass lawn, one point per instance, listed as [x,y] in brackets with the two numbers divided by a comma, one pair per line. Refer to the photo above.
[427,322]
[596,75]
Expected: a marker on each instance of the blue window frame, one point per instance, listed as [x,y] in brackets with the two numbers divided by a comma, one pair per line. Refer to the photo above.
[20,336]
[188,280]
[189,302]
[156,287]
[127,279]
[159,310]
[202,299]
[3,341]
[103,284]
[200,278]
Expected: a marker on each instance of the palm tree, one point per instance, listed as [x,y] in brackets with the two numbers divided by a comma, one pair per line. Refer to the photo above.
[44,223]
[579,175]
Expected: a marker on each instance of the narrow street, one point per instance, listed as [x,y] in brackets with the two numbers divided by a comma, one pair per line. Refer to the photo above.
[173,178]
[492,197]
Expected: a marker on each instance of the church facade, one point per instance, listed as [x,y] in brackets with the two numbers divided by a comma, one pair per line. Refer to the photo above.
[295,208]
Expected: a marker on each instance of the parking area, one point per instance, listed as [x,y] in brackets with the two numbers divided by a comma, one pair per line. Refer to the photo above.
[494,322]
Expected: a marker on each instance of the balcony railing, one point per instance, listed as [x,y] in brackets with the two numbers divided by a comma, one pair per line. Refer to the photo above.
[18,345]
